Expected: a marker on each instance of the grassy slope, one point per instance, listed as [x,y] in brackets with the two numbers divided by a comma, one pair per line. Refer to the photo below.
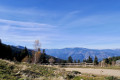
[16,71]
[21,71]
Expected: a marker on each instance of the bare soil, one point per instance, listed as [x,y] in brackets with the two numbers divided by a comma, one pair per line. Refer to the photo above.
[105,72]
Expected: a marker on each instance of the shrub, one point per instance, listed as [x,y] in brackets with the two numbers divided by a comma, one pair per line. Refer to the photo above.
[76,72]
[111,78]
[70,76]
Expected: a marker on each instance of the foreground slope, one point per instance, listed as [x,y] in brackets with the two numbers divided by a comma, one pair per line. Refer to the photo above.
[24,71]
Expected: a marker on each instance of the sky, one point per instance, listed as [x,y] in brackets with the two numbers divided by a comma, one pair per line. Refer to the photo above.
[57,24]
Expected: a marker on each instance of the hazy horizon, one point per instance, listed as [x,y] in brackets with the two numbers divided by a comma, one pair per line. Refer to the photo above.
[93,24]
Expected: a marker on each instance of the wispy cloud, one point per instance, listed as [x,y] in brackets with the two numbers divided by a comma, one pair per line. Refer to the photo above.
[25,25]
[25,32]
[20,23]
[30,14]
[24,11]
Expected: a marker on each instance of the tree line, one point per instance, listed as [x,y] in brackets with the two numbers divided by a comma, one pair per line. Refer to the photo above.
[6,52]
[89,60]
[111,60]
[23,55]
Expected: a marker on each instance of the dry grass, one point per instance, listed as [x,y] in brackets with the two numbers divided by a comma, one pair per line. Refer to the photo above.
[24,71]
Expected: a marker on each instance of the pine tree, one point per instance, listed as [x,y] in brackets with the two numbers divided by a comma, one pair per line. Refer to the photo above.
[106,60]
[23,54]
[9,53]
[43,50]
[75,61]
[89,60]
[78,61]
[70,60]
[0,49]
[44,56]
[84,60]
[4,51]
[0,41]
[96,60]
[110,61]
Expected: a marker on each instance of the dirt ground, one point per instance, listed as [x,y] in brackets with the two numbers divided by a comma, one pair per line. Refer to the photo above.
[105,72]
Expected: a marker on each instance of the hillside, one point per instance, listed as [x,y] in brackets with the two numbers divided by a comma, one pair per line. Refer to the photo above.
[19,53]
[82,53]
[24,71]
[17,49]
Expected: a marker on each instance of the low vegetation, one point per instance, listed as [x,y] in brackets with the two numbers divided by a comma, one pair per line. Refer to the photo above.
[7,71]
[25,71]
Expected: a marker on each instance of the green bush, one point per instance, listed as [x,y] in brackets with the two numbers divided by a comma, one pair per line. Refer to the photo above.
[76,72]
[70,76]
[6,71]
[112,78]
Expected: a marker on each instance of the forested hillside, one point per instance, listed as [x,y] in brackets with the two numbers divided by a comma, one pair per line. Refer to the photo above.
[23,54]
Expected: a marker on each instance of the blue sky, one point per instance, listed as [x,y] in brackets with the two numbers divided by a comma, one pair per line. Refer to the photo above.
[91,24]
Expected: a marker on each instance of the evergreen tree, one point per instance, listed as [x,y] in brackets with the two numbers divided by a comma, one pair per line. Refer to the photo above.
[96,60]
[43,50]
[78,61]
[110,61]
[23,54]
[89,60]
[84,60]
[9,53]
[70,60]
[75,61]
[0,42]
[0,49]
[63,61]
[106,60]
[43,57]
[4,52]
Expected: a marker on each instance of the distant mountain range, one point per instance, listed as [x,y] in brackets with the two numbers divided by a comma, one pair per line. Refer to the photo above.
[82,53]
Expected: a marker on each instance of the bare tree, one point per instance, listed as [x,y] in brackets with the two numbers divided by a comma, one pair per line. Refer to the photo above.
[37,45]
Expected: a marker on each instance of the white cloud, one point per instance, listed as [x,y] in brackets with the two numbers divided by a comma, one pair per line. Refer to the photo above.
[25,24]
[19,32]
[25,11]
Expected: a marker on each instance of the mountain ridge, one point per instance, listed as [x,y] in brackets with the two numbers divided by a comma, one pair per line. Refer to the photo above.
[83,53]
[79,53]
